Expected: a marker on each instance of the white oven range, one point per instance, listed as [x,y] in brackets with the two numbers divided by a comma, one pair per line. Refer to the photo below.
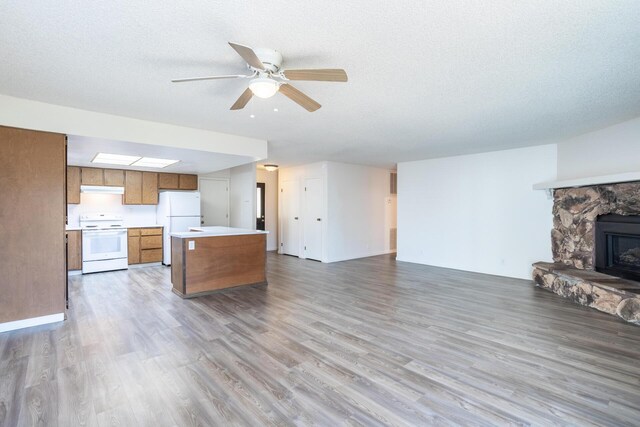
[104,243]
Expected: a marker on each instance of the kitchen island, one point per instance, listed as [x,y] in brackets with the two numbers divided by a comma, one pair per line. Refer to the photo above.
[209,259]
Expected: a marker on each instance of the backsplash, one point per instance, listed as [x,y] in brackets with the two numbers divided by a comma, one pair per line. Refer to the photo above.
[134,215]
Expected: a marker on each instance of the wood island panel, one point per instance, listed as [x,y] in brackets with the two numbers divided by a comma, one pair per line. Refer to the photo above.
[217,262]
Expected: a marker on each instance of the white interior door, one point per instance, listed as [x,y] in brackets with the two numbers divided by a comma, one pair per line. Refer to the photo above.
[214,197]
[313,217]
[290,217]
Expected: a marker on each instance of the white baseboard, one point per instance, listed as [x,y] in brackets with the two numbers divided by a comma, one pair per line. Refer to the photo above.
[34,321]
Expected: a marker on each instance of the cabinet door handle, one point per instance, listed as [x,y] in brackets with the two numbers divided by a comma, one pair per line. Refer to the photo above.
[295,217]
[318,219]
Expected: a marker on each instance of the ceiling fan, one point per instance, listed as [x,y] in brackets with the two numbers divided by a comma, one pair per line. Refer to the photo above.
[267,77]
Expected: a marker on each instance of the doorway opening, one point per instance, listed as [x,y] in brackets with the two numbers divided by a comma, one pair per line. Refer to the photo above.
[260,205]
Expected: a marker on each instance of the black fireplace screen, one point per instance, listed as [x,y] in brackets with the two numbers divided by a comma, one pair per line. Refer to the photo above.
[624,250]
[618,246]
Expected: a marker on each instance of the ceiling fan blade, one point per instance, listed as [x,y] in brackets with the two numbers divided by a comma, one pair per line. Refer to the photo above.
[299,98]
[243,100]
[193,79]
[321,75]
[248,55]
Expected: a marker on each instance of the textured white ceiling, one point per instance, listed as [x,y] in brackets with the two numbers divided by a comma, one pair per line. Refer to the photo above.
[426,78]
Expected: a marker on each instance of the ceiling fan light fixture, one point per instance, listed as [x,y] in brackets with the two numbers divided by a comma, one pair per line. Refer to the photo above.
[264,87]
[270,168]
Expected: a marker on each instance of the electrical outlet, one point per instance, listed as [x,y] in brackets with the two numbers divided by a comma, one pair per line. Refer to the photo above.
[192,245]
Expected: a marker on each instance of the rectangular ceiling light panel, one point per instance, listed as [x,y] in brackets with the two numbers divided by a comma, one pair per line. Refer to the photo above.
[114,159]
[150,162]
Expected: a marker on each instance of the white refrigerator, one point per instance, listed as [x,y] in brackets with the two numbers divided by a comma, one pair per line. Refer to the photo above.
[177,211]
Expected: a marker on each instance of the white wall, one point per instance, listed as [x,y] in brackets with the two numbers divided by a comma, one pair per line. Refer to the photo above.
[358,221]
[357,217]
[612,150]
[477,212]
[242,196]
[270,180]
[134,215]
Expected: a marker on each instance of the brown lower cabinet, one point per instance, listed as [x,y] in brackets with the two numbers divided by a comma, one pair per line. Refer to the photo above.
[74,250]
[145,245]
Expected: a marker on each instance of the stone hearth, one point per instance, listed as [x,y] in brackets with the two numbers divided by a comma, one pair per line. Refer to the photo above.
[610,294]
[572,275]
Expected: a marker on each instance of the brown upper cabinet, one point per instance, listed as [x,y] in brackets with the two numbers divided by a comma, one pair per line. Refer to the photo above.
[140,188]
[168,181]
[188,182]
[92,176]
[132,188]
[174,181]
[73,185]
[114,177]
[149,188]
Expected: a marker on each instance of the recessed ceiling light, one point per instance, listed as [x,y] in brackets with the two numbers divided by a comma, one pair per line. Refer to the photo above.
[114,159]
[275,109]
[150,162]
[252,116]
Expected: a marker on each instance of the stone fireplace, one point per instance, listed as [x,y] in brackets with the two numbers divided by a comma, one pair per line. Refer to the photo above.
[596,248]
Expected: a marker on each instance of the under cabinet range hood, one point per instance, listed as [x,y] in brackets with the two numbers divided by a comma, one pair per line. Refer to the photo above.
[101,189]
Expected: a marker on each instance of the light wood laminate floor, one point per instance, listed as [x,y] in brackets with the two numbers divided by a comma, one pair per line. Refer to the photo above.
[364,342]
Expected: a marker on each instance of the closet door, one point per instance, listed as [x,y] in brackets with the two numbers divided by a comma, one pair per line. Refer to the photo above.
[312,219]
[290,217]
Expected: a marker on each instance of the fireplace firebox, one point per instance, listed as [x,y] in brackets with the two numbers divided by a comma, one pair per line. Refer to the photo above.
[617,246]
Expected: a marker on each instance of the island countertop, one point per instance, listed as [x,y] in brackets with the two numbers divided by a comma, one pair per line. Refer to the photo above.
[215,231]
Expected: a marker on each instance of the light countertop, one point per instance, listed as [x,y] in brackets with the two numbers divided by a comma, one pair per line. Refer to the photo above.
[77,227]
[215,231]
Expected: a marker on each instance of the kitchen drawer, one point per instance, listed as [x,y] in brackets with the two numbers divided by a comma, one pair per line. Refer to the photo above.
[151,242]
[151,231]
[150,255]
[132,232]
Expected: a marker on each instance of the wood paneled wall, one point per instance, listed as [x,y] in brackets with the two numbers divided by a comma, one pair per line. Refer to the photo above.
[32,224]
